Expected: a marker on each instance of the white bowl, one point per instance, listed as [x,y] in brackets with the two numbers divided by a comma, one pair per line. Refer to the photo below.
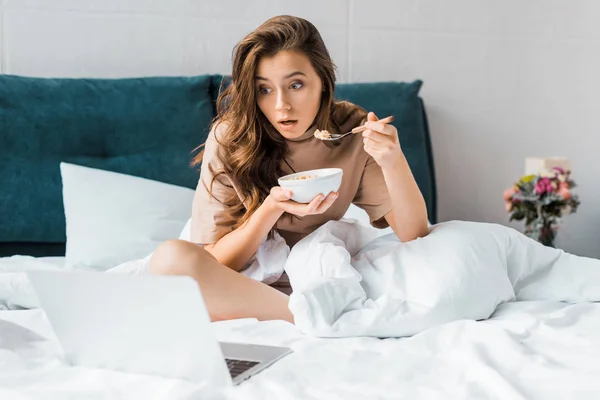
[322,181]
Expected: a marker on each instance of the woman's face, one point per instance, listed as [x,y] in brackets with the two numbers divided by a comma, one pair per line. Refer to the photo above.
[288,92]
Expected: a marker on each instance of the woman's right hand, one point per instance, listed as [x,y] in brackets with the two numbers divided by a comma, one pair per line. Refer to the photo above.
[281,199]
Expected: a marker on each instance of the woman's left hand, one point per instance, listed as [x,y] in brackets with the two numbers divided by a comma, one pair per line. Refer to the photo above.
[381,142]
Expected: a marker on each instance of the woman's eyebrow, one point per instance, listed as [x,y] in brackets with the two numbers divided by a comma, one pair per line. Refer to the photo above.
[294,74]
[260,78]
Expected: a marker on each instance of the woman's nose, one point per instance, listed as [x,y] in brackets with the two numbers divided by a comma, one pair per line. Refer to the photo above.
[282,102]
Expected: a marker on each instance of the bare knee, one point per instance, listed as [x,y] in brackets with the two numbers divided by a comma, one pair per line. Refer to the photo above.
[178,257]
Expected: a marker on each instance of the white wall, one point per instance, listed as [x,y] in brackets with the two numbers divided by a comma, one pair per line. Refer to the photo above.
[503,79]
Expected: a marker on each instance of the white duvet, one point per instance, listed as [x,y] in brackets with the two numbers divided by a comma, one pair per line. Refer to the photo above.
[349,282]
[525,351]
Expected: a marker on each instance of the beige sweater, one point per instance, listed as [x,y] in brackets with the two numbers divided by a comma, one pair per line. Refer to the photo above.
[362,184]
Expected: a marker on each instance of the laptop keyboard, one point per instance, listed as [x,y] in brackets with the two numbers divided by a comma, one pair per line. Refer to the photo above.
[237,367]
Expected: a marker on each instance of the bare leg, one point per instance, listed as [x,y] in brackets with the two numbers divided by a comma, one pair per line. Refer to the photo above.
[227,293]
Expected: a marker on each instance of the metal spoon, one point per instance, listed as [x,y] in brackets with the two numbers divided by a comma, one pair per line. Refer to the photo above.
[358,129]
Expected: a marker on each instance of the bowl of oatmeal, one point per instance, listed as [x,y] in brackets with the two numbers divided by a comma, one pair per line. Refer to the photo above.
[307,185]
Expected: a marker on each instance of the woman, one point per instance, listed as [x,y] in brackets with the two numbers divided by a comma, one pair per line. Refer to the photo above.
[281,92]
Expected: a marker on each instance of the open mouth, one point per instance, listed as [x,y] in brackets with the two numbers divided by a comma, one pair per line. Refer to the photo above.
[288,122]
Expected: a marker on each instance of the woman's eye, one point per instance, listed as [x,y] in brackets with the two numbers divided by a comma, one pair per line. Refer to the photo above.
[264,90]
[296,85]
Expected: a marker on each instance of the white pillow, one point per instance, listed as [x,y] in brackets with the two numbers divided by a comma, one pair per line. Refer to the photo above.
[113,218]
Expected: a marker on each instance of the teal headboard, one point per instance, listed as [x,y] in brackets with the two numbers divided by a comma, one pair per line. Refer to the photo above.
[140,126]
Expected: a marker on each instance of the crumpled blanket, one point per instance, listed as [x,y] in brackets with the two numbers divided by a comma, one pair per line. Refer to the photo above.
[349,279]
[348,282]
[16,292]
[266,265]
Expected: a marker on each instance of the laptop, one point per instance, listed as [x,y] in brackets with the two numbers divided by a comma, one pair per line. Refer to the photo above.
[145,324]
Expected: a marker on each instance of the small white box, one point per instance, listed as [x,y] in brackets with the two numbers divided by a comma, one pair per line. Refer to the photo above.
[535,165]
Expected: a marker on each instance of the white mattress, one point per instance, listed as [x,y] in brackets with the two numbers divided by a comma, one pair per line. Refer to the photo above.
[15,290]
[527,350]
[55,261]
[19,259]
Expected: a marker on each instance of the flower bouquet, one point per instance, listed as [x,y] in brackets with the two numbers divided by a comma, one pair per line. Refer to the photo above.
[541,200]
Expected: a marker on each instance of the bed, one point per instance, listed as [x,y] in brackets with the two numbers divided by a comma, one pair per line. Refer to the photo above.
[525,350]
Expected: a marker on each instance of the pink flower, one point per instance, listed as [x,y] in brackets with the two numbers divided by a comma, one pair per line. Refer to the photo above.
[508,193]
[508,206]
[560,170]
[564,192]
[544,185]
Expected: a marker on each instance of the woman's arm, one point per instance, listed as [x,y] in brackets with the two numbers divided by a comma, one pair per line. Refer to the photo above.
[237,247]
[408,217]
[211,222]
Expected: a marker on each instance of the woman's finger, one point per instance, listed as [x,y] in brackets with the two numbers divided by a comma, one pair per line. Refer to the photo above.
[280,194]
[329,200]
[314,204]
[380,127]
[372,144]
[375,136]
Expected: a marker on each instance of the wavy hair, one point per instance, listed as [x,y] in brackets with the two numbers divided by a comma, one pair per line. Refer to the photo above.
[250,148]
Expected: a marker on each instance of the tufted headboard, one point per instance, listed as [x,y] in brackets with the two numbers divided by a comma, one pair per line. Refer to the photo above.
[146,127]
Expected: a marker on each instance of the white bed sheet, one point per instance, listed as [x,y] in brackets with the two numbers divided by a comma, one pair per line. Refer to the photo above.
[527,350]
[58,262]
[55,261]
[15,289]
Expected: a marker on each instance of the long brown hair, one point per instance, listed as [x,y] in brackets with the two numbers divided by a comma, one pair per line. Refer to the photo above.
[251,149]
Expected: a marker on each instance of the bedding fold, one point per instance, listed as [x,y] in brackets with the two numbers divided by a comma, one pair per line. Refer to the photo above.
[349,279]
[348,282]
